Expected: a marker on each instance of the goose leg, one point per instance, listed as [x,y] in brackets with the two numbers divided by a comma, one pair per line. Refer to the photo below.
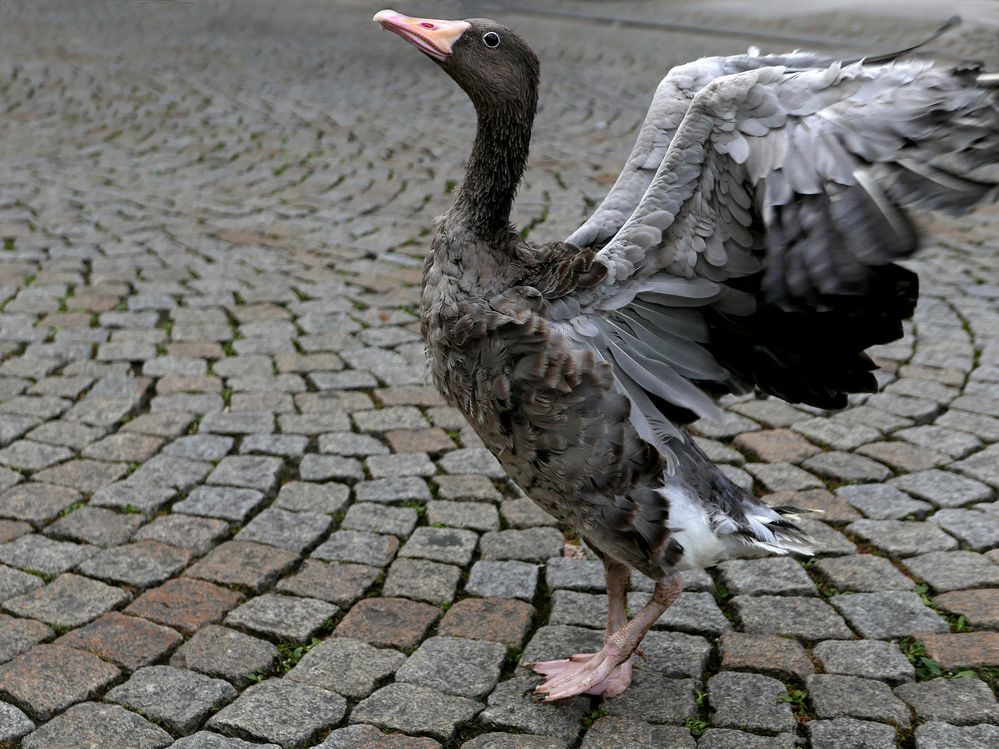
[618,578]
[582,674]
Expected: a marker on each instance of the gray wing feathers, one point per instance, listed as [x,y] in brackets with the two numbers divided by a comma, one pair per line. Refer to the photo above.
[669,106]
[765,141]
[778,165]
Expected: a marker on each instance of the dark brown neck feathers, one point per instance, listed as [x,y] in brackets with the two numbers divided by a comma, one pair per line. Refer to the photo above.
[497,163]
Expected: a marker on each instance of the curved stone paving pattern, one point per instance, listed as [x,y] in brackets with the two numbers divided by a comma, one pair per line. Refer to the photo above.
[232,513]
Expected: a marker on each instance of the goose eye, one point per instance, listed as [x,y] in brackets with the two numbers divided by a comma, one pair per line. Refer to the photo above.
[491,39]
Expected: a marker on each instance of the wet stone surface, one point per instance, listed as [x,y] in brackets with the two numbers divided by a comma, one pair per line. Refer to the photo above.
[233,511]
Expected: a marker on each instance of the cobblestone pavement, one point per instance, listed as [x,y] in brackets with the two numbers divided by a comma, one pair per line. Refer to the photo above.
[233,514]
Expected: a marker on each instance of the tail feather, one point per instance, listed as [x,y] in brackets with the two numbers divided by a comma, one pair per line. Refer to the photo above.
[776,530]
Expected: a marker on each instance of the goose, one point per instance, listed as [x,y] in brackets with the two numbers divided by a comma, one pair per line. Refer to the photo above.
[749,244]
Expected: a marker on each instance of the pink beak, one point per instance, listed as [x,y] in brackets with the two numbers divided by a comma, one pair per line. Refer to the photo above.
[431,36]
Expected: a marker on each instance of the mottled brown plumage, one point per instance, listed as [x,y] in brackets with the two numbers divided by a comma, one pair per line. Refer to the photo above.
[747,244]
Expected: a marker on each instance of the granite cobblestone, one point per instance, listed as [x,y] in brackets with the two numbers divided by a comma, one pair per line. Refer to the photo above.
[234,513]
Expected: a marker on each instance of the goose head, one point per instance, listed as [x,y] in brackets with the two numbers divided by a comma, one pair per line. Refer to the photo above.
[490,62]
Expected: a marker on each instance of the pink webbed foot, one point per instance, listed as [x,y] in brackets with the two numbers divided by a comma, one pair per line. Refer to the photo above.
[600,673]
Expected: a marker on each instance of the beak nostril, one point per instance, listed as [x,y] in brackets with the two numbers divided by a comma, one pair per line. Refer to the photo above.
[428,25]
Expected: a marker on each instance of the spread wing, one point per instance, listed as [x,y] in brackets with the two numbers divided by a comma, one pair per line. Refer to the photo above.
[669,106]
[761,252]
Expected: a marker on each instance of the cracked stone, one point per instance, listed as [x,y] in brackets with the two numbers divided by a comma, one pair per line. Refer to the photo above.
[376,518]
[338,582]
[141,565]
[299,496]
[389,622]
[807,618]
[776,575]
[49,678]
[185,604]
[961,702]
[750,701]
[943,488]
[68,601]
[97,725]
[614,732]
[422,580]
[97,526]
[466,668]
[498,620]
[973,649]
[868,658]
[225,653]
[369,737]
[280,711]
[837,696]
[37,503]
[128,641]
[199,535]
[41,554]
[883,501]
[776,656]
[294,531]
[888,614]
[361,548]
[841,732]
[862,573]
[954,570]
[245,564]
[937,735]
[902,538]
[408,707]
[510,706]
[509,579]
[346,666]
[284,617]
[179,699]
[529,545]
